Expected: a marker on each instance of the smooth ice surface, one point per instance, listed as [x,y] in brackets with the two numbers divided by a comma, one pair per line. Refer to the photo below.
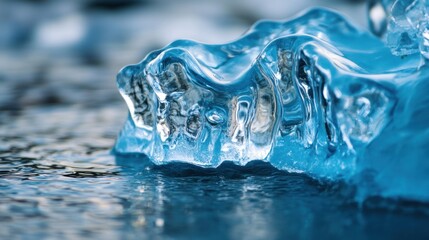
[313,95]
[403,24]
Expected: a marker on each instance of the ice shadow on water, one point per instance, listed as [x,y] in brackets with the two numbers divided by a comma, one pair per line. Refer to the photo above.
[227,171]
[250,202]
[256,201]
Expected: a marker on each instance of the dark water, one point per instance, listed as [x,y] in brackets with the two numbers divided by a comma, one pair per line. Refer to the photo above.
[60,114]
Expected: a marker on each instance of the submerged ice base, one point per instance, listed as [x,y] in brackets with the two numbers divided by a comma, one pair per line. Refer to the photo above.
[313,95]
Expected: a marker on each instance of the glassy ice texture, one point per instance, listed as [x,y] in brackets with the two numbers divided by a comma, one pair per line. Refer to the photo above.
[403,24]
[313,95]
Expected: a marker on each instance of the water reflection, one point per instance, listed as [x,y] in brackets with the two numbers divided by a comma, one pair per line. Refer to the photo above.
[129,197]
[252,202]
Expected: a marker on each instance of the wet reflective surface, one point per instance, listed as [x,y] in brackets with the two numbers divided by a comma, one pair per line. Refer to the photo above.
[70,186]
[60,114]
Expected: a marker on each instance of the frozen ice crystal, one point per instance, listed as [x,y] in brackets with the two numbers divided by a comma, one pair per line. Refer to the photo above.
[313,94]
[403,24]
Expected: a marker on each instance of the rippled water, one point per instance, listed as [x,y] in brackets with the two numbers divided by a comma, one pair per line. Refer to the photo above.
[58,121]
[58,179]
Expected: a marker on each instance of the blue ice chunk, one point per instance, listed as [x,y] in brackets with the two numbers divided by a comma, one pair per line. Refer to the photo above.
[402,23]
[313,94]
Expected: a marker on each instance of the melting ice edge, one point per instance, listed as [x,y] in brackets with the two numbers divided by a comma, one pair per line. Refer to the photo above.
[313,94]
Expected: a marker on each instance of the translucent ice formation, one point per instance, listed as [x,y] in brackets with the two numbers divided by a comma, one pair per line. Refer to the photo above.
[403,24]
[313,95]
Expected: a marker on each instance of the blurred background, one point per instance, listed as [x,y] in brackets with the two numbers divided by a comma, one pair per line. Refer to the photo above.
[68,52]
